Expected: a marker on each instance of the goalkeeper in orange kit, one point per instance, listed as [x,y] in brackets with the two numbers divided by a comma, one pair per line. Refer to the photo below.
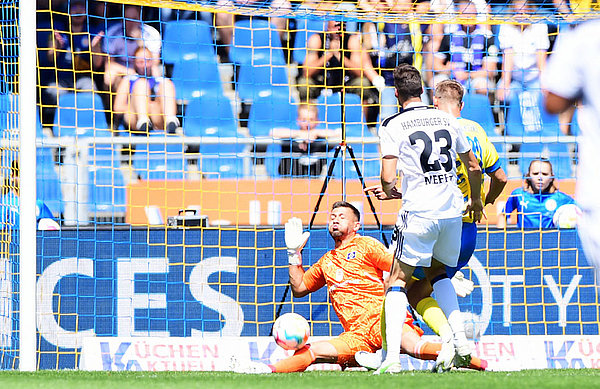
[353,272]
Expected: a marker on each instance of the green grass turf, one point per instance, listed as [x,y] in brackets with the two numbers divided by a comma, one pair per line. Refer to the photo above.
[567,378]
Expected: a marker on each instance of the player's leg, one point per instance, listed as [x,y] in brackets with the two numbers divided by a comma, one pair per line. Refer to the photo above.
[140,99]
[413,242]
[419,293]
[165,107]
[415,346]
[589,233]
[326,351]
[446,252]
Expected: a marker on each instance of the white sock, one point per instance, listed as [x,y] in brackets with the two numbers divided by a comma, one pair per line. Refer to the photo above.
[173,119]
[141,121]
[396,303]
[445,295]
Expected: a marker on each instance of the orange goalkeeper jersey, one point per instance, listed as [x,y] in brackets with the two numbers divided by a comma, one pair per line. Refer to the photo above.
[354,276]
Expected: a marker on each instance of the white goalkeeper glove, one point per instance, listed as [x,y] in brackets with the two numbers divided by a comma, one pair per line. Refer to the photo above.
[462,286]
[295,240]
[379,83]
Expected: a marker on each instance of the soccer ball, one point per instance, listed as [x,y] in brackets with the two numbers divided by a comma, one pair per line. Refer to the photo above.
[566,216]
[291,331]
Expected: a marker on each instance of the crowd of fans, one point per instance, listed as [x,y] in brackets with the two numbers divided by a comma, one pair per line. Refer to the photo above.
[115,50]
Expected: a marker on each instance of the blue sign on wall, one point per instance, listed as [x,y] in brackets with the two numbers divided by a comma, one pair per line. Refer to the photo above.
[230,282]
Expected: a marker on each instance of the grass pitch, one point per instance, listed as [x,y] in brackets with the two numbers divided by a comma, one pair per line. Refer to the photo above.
[584,378]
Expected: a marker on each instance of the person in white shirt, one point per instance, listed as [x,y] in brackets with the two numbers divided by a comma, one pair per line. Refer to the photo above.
[422,143]
[573,73]
[525,47]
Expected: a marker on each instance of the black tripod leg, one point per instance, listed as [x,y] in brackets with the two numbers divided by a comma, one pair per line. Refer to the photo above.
[325,183]
[362,181]
[312,220]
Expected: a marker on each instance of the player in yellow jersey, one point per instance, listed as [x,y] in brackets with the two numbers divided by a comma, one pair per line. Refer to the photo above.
[353,273]
[448,97]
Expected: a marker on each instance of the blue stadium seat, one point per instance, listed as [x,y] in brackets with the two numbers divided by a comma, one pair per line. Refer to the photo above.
[272,159]
[305,29]
[209,116]
[80,114]
[48,185]
[575,130]
[106,191]
[557,153]
[256,41]
[269,112]
[9,115]
[196,77]
[213,118]
[477,108]
[198,40]
[527,117]
[368,159]
[160,161]
[330,113]
[262,80]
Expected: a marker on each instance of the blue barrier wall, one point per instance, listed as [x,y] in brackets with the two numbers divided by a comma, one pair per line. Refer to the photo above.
[229,282]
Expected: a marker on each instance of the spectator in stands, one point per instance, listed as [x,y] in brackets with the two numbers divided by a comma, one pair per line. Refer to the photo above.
[391,44]
[306,140]
[537,201]
[75,53]
[225,21]
[9,204]
[146,101]
[467,54]
[571,9]
[336,59]
[121,42]
[524,46]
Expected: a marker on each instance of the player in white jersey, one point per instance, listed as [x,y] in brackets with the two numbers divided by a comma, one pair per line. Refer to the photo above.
[573,73]
[422,143]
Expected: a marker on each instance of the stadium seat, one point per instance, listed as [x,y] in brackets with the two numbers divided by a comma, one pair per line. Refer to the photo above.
[368,159]
[196,77]
[557,153]
[106,191]
[575,130]
[198,41]
[272,159]
[305,29]
[207,117]
[48,185]
[527,117]
[477,108]
[160,161]
[80,114]
[262,80]
[9,115]
[268,112]
[256,41]
[330,113]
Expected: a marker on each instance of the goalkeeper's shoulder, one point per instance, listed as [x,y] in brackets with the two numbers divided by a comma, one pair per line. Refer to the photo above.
[369,243]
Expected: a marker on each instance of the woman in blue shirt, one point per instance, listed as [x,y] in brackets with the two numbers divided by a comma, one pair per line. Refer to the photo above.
[538,200]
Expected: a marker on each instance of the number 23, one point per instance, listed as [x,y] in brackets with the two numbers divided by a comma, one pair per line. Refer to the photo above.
[427,149]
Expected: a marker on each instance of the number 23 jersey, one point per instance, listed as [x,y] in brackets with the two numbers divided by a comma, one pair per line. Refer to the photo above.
[426,142]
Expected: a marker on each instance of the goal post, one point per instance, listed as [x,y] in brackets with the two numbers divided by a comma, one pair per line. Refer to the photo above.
[27,196]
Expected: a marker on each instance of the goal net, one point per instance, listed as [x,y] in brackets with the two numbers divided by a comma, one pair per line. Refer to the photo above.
[175,138]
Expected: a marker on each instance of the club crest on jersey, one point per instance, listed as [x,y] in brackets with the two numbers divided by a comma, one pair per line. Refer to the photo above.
[351,255]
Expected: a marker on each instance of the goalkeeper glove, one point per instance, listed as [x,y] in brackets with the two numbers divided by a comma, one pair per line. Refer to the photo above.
[379,83]
[295,240]
[462,286]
